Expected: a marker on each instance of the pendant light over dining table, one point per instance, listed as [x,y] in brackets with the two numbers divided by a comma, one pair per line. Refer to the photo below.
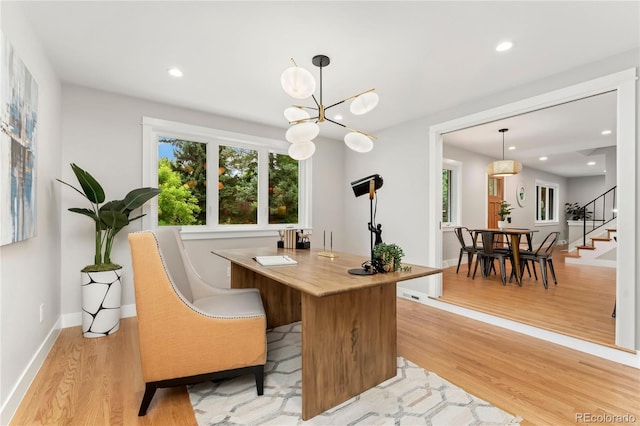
[298,83]
[504,167]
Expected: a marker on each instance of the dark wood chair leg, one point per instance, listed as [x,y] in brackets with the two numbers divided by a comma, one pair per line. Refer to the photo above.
[258,371]
[149,391]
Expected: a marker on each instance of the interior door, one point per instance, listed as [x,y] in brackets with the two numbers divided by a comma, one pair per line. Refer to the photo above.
[495,194]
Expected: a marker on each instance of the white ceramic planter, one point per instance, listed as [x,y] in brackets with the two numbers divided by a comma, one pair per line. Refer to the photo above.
[503,224]
[101,300]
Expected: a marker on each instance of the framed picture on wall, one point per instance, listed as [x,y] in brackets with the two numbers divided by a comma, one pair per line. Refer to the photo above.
[19,117]
[521,195]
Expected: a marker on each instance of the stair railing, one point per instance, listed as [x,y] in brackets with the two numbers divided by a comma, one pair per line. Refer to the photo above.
[603,209]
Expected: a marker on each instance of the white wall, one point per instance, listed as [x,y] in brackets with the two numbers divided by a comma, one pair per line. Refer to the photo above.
[102,134]
[402,153]
[584,189]
[30,270]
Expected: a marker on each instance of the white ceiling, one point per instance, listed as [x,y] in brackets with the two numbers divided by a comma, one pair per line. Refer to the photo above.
[421,56]
[569,135]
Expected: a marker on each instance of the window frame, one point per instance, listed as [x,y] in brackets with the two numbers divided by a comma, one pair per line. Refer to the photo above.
[555,208]
[455,198]
[154,127]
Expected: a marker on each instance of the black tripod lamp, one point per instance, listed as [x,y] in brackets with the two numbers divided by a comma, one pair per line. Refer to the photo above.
[370,185]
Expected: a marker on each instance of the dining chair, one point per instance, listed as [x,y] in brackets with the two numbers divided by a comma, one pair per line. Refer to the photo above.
[543,255]
[465,237]
[489,254]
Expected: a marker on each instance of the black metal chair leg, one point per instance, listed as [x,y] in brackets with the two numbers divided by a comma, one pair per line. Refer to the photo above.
[149,391]
[459,260]
[553,272]
[543,271]
[469,262]
[258,371]
[503,273]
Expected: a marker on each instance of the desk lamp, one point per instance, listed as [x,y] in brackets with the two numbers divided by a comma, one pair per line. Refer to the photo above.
[370,185]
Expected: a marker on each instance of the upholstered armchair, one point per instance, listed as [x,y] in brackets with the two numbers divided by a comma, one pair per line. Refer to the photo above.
[189,331]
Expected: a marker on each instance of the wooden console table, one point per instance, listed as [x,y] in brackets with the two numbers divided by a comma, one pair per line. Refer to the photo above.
[349,336]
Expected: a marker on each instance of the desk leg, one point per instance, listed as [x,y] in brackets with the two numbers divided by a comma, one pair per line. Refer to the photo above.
[515,249]
[348,345]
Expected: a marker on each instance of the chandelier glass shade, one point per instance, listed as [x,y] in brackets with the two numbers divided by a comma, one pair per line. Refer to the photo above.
[299,84]
[504,167]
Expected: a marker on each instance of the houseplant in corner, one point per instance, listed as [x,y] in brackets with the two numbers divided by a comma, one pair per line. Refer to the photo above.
[101,287]
[504,212]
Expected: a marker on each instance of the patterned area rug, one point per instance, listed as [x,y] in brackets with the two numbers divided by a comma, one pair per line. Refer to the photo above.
[413,397]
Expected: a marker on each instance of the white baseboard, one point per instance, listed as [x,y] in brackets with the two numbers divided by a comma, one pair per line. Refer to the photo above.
[75,319]
[621,357]
[20,389]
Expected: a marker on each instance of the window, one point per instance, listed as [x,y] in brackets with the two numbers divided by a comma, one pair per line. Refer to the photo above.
[451,192]
[258,188]
[546,202]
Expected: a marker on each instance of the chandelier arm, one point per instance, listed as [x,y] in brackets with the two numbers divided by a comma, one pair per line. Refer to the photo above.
[303,120]
[352,129]
[316,101]
[350,98]
[304,107]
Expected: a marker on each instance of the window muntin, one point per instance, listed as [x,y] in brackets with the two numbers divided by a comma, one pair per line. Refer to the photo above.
[266,154]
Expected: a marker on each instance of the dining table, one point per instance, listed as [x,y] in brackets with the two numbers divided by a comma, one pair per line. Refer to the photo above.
[515,235]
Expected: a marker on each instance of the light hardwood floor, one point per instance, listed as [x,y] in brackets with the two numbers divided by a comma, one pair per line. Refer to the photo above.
[98,381]
[579,306]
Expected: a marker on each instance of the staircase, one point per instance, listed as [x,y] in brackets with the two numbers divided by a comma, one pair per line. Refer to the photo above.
[599,252]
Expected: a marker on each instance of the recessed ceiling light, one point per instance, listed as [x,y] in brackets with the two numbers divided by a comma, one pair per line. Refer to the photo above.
[511,148]
[338,117]
[606,132]
[175,72]
[504,46]
[591,163]
[544,158]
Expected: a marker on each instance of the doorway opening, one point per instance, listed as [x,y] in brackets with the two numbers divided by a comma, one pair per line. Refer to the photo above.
[624,85]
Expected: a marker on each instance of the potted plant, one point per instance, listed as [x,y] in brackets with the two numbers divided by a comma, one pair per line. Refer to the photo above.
[388,257]
[504,212]
[573,211]
[101,286]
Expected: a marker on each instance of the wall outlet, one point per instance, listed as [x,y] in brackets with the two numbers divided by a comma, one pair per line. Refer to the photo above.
[41,312]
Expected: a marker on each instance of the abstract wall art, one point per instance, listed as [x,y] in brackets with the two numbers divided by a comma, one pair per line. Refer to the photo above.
[19,115]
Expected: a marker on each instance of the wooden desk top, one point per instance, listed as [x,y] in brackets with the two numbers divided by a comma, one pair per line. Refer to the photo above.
[316,275]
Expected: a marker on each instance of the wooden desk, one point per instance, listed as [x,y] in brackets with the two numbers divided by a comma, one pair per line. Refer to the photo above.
[348,321]
[515,235]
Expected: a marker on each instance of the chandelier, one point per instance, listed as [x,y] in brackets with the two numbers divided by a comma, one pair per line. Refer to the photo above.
[299,84]
[504,167]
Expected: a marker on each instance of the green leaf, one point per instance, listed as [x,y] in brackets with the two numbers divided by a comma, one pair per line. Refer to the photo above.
[92,189]
[114,219]
[138,197]
[85,212]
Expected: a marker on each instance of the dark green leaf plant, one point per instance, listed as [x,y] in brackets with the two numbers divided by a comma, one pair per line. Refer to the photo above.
[109,217]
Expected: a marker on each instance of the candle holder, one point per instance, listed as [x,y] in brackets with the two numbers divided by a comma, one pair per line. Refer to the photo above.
[324,252]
